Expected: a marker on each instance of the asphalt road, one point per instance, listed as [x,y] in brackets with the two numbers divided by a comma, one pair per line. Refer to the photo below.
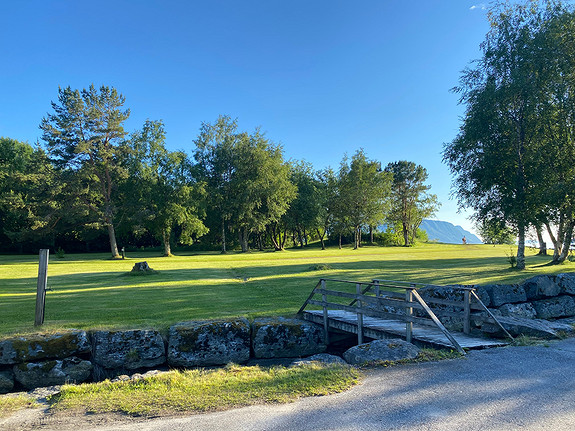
[513,388]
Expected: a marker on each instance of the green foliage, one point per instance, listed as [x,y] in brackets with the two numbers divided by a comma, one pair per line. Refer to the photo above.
[514,154]
[83,136]
[320,267]
[160,194]
[410,202]
[495,232]
[511,258]
[363,191]
[206,390]
[60,253]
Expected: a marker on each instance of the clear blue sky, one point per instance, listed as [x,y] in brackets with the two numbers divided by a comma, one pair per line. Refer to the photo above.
[322,78]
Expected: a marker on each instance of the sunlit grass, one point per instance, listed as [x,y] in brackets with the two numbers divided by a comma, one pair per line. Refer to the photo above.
[92,291]
[206,390]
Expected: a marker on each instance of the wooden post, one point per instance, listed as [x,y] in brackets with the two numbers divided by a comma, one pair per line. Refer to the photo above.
[41,287]
[376,282]
[408,313]
[325,315]
[359,315]
[466,312]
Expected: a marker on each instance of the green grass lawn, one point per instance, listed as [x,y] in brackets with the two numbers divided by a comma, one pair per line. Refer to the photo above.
[92,291]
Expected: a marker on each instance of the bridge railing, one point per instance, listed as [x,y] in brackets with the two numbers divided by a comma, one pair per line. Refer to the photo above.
[392,300]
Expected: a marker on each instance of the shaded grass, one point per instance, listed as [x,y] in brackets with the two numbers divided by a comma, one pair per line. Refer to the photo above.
[10,404]
[91,291]
[206,390]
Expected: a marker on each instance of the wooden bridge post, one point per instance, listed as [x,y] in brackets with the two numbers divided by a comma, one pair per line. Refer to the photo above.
[376,282]
[466,311]
[408,313]
[325,315]
[359,314]
[41,287]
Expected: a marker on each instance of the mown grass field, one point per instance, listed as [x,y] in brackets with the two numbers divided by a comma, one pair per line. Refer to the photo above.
[92,291]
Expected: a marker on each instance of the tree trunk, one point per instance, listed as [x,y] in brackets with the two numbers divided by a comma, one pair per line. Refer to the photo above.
[244,238]
[355,239]
[223,236]
[542,243]
[555,241]
[521,248]
[260,242]
[405,235]
[321,237]
[340,241]
[371,234]
[566,242]
[113,243]
[166,238]
[305,237]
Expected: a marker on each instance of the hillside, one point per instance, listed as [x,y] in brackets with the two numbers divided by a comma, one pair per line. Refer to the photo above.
[443,231]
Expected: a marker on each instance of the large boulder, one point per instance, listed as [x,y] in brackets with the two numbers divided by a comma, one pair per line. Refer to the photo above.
[128,350]
[43,346]
[524,309]
[381,350]
[6,381]
[56,372]
[286,338]
[552,308]
[531,327]
[196,344]
[541,286]
[505,294]
[566,283]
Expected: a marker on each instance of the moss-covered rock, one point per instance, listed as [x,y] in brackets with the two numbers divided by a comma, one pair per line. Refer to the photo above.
[56,372]
[128,350]
[43,346]
[212,342]
[286,338]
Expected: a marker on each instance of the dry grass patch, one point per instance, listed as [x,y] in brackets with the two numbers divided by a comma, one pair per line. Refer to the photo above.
[11,403]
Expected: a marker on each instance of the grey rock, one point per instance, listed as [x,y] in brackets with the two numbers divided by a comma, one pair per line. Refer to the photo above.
[286,338]
[6,381]
[525,310]
[33,347]
[532,327]
[560,306]
[541,286]
[213,342]
[56,372]
[380,350]
[566,283]
[128,350]
[505,294]
[324,358]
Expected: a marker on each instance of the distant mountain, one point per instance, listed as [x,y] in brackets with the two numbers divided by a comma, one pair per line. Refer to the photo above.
[443,231]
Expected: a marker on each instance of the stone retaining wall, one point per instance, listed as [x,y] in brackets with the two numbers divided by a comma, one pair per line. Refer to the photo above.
[540,302]
[77,356]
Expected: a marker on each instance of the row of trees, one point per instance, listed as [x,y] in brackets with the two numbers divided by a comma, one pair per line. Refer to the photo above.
[92,176]
[514,157]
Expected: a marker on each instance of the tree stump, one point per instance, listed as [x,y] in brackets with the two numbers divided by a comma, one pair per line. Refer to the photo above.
[141,266]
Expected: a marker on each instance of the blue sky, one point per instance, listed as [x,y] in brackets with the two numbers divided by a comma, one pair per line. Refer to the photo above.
[323,78]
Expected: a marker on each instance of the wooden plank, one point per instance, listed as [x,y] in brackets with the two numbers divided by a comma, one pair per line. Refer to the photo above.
[311,295]
[379,328]
[409,313]
[41,287]
[438,323]
[359,315]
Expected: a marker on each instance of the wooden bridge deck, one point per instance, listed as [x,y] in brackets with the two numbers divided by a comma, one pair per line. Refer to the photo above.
[380,328]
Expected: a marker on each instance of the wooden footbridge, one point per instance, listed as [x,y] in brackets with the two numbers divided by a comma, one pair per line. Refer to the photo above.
[385,309]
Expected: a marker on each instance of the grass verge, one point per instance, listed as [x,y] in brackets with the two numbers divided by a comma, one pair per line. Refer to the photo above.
[206,390]
[9,404]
